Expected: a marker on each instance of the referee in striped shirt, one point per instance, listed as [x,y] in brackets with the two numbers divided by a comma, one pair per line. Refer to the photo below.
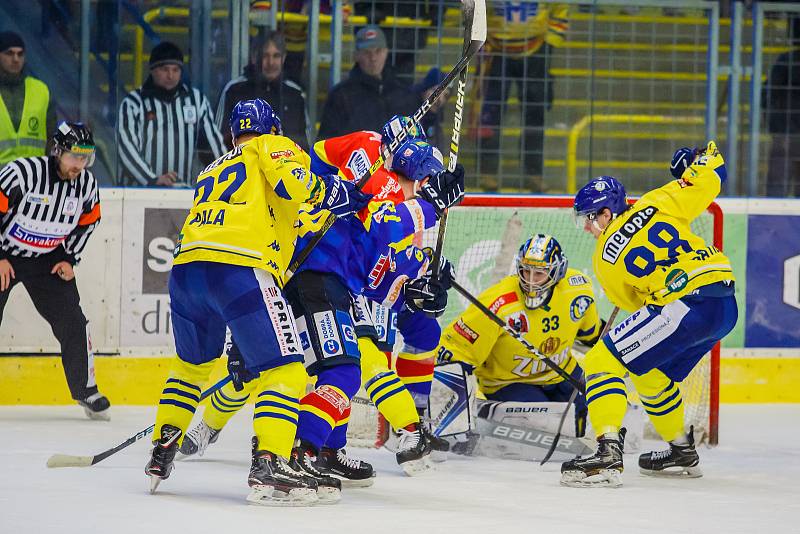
[163,123]
[49,207]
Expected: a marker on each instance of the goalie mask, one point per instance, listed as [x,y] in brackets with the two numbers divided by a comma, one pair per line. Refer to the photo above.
[540,263]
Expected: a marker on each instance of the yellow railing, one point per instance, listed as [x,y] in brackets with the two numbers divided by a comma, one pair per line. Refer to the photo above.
[581,125]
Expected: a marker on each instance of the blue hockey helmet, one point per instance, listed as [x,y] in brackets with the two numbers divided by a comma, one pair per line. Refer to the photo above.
[254,116]
[540,264]
[416,160]
[396,124]
[602,192]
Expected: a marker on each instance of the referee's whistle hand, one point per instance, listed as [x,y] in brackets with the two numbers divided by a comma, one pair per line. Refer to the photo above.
[64,271]
[6,275]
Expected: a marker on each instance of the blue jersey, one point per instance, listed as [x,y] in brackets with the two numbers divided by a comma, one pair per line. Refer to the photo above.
[372,253]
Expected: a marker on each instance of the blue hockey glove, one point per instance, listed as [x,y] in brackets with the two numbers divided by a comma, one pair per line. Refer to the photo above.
[444,190]
[237,369]
[681,160]
[426,295]
[342,197]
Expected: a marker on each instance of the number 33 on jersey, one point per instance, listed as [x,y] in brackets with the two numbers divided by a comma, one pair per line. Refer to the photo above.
[649,254]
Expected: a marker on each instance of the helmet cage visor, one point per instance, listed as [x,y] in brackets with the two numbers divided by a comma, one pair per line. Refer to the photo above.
[79,153]
[536,278]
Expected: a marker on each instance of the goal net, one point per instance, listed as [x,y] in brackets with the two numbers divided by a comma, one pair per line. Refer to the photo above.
[482,239]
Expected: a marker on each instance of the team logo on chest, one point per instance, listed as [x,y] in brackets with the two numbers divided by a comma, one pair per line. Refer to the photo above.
[549,346]
[519,322]
[578,307]
[385,264]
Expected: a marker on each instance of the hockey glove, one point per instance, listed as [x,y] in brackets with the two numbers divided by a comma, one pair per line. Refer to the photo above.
[447,273]
[444,190]
[426,295]
[237,368]
[681,160]
[342,197]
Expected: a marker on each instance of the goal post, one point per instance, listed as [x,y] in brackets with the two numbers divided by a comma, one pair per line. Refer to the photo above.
[483,236]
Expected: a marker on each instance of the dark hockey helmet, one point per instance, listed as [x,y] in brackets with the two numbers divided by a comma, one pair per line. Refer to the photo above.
[416,160]
[74,138]
[398,123]
[540,264]
[602,192]
[254,116]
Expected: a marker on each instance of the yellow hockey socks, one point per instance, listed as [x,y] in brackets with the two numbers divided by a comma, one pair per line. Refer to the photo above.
[385,389]
[181,395]
[605,390]
[225,403]
[663,403]
[277,406]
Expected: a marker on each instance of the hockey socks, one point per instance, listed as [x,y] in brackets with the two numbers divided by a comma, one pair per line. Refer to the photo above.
[416,372]
[663,403]
[181,395]
[225,403]
[385,389]
[277,406]
[326,405]
[605,390]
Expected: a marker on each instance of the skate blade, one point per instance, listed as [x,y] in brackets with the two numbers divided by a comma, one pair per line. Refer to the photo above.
[415,468]
[359,483]
[673,472]
[154,482]
[606,478]
[328,495]
[272,496]
[104,415]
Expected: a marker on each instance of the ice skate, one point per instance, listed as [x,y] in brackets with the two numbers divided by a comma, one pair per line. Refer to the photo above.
[603,469]
[329,488]
[677,461]
[162,459]
[96,407]
[413,451]
[197,440]
[274,483]
[351,472]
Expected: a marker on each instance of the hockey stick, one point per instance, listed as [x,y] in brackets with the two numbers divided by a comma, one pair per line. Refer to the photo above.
[477,36]
[571,400]
[68,460]
[513,333]
[469,21]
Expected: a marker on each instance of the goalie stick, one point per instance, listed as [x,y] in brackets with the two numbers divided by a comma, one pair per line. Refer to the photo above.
[571,400]
[475,33]
[68,460]
[513,333]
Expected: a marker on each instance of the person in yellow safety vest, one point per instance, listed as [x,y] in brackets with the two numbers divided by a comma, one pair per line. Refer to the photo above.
[26,111]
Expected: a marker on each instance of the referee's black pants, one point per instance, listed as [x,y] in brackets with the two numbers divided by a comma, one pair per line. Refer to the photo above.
[59,303]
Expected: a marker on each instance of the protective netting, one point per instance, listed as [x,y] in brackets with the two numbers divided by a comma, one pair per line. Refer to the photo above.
[481,242]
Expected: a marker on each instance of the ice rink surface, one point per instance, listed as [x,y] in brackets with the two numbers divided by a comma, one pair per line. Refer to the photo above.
[750,485]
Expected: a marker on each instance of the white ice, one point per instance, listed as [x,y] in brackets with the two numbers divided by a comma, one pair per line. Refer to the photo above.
[750,485]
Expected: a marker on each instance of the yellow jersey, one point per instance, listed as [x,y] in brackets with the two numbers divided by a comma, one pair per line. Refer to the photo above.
[498,358]
[649,254]
[519,28]
[246,206]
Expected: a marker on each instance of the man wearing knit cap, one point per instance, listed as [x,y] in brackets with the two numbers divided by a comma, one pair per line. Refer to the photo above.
[162,125]
[371,95]
[26,111]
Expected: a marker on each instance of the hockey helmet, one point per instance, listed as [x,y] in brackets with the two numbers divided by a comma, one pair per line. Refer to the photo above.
[602,192]
[75,139]
[416,160]
[398,123]
[254,116]
[540,264]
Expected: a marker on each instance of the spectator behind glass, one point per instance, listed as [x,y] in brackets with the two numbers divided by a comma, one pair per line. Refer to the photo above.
[432,121]
[263,78]
[404,41]
[782,107]
[27,112]
[519,41]
[371,94]
[163,123]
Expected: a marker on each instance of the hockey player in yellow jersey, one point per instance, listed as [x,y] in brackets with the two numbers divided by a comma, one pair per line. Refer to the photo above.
[228,272]
[551,306]
[680,293]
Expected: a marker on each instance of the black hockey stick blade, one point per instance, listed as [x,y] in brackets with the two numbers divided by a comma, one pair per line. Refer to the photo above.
[513,333]
[477,36]
[606,328]
[68,460]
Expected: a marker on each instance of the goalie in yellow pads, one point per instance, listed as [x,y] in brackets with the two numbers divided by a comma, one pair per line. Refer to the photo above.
[680,293]
[549,304]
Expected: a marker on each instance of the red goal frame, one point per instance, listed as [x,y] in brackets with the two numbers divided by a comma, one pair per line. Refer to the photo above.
[535,201]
